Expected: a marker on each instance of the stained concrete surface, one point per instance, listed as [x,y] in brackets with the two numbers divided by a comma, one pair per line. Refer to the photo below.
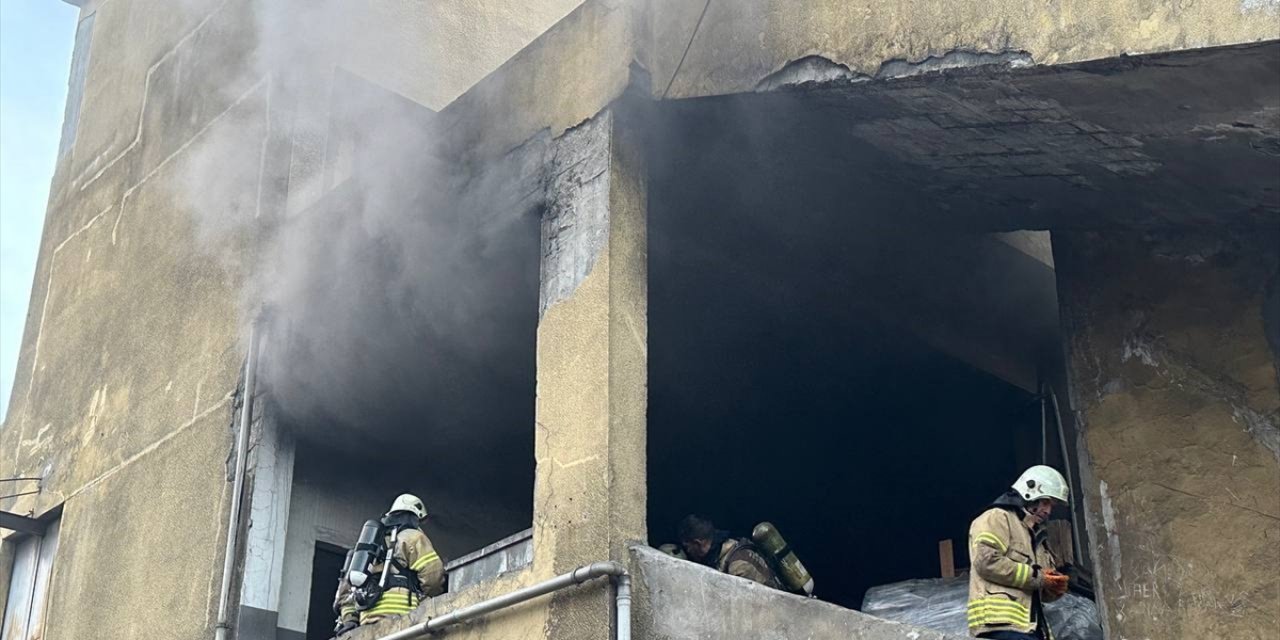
[1123,141]
[720,47]
[143,51]
[1176,391]
[685,601]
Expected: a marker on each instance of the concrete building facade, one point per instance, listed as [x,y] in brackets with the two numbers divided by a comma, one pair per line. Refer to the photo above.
[627,240]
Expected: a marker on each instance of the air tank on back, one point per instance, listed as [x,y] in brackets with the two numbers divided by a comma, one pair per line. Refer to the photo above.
[365,553]
[790,569]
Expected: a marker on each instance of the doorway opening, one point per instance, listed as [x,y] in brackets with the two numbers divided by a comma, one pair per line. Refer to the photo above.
[326,565]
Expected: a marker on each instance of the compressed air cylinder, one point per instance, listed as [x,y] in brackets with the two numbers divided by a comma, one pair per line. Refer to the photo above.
[790,569]
[365,553]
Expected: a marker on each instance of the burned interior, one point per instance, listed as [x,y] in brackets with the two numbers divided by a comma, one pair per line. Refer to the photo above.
[855,326]
[862,383]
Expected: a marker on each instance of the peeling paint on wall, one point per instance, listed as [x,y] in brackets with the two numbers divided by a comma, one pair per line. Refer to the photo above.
[575,224]
[1259,5]
[1109,526]
[955,60]
[810,69]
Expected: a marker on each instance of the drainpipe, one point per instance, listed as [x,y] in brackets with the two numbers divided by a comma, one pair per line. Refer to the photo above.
[237,490]
[622,601]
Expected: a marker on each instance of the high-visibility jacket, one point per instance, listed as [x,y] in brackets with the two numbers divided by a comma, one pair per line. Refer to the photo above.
[1007,562]
[739,557]
[413,551]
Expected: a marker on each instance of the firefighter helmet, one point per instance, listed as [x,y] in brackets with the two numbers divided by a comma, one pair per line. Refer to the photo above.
[410,503]
[1041,482]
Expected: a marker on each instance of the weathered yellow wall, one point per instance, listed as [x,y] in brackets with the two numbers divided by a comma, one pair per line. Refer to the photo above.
[432,52]
[739,43]
[134,338]
[1175,388]
[132,346]
[135,335]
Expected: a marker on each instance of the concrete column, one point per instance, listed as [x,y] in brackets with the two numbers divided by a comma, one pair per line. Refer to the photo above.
[590,492]
[272,459]
[1175,392]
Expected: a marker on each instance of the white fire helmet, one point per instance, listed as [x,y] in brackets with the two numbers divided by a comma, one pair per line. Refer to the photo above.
[1040,482]
[411,503]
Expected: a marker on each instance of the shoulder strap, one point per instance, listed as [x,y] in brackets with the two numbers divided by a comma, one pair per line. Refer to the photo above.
[402,570]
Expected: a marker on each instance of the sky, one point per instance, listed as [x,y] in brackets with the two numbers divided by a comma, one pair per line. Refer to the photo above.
[36,38]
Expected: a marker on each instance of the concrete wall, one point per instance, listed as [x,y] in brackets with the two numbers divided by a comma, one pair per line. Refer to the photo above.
[134,338]
[1175,390]
[686,601]
[122,399]
[735,45]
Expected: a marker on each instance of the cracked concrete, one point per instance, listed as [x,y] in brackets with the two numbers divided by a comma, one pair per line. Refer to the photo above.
[958,59]
[1176,391]
[682,600]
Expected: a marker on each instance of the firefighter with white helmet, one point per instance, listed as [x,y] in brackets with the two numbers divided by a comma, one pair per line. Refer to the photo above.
[395,566]
[1014,570]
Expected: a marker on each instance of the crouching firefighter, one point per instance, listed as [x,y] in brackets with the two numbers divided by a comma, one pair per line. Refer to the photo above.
[765,558]
[395,566]
[1014,569]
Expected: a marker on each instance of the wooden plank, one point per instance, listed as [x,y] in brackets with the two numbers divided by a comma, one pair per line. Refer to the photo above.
[946,558]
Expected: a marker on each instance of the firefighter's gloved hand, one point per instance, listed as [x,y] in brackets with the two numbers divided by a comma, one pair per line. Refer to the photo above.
[1055,582]
[344,627]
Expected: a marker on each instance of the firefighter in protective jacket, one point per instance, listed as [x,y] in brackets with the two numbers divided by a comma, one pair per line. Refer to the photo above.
[735,556]
[416,572]
[1013,569]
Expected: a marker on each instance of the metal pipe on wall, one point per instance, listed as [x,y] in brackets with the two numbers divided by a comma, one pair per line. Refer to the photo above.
[1044,426]
[237,490]
[622,601]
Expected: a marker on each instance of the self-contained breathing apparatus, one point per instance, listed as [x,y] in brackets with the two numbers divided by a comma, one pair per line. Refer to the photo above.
[790,570]
[377,544]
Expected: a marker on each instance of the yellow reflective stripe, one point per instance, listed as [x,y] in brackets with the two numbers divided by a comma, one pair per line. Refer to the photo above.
[392,602]
[992,539]
[997,601]
[388,610]
[995,611]
[987,617]
[981,619]
[422,562]
[1020,575]
[1002,609]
